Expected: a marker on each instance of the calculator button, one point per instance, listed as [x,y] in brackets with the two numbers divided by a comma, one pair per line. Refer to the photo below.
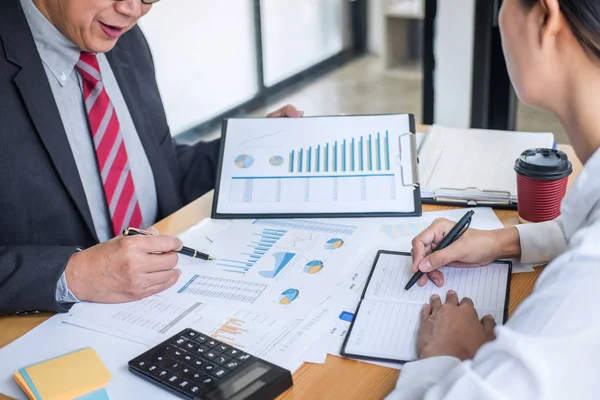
[141,364]
[233,352]
[211,354]
[152,369]
[196,376]
[186,371]
[188,359]
[201,350]
[222,348]
[198,363]
[173,379]
[231,365]
[211,343]
[191,334]
[208,381]
[175,366]
[201,338]
[192,389]
[191,346]
[163,373]
[219,373]
[221,360]
[209,368]
[180,341]
[244,357]
[175,353]
[183,384]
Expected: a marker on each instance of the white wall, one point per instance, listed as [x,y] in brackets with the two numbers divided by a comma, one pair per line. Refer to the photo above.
[299,34]
[454,36]
[205,57]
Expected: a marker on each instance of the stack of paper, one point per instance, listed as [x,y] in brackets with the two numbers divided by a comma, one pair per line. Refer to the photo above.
[80,375]
[283,290]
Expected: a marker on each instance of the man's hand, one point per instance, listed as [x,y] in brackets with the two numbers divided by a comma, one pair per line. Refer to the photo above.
[473,249]
[124,269]
[287,111]
[452,329]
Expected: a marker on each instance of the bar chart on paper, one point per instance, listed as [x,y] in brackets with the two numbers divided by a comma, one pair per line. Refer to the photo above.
[261,243]
[365,153]
[353,169]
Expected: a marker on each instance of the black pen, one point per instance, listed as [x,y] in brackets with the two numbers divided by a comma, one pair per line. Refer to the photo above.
[452,236]
[186,251]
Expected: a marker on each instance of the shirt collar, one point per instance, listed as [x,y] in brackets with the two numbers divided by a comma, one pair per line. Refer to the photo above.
[57,52]
[582,197]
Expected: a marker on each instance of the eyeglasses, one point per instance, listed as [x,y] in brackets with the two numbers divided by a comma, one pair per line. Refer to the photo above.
[150,1]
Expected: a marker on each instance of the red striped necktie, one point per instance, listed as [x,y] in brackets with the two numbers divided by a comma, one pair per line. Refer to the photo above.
[111,153]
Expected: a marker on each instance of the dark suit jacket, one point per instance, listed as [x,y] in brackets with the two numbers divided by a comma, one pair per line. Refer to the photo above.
[44,215]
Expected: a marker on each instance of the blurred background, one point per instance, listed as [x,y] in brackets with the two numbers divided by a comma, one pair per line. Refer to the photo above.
[437,60]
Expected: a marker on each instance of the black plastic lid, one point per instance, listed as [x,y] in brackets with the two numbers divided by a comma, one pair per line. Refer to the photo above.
[543,164]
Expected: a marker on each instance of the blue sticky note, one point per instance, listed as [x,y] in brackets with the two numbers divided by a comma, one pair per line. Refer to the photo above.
[346,316]
[99,394]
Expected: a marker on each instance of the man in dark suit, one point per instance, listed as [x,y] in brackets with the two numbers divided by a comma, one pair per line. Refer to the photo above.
[85,151]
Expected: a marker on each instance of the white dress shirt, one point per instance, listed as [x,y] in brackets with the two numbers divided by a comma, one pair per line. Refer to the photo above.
[550,347]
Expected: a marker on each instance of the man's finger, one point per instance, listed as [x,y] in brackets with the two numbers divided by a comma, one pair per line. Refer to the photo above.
[489,323]
[466,301]
[160,243]
[155,278]
[422,280]
[452,298]
[436,302]
[436,277]
[287,111]
[153,263]
[160,286]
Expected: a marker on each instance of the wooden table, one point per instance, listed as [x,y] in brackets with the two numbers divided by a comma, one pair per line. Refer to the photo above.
[338,378]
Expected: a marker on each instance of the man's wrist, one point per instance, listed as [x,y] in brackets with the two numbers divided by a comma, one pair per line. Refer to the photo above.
[507,242]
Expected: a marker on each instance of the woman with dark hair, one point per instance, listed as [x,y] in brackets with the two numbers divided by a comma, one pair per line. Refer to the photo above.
[550,348]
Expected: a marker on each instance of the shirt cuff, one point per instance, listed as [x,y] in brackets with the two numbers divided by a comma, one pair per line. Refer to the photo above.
[418,377]
[63,294]
[541,242]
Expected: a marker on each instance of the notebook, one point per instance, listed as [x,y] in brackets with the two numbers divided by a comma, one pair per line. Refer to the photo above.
[474,166]
[387,318]
[77,375]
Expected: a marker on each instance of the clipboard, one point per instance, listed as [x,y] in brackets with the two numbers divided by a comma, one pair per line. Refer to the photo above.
[350,170]
[474,167]
[349,354]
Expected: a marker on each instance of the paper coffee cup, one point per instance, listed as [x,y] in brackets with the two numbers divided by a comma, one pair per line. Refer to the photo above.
[542,177]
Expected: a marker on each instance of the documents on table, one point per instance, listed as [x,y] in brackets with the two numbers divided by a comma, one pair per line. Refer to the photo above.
[473,166]
[281,267]
[387,318]
[318,166]
[314,272]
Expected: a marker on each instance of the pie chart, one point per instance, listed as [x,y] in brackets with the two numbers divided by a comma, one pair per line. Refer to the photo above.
[276,161]
[312,267]
[288,295]
[334,243]
[244,161]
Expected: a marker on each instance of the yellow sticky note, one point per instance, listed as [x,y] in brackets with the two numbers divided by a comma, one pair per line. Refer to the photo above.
[68,376]
[23,385]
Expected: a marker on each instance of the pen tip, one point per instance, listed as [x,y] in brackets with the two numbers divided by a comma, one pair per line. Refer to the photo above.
[210,258]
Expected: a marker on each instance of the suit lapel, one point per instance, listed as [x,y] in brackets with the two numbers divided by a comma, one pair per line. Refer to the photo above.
[131,88]
[37,95]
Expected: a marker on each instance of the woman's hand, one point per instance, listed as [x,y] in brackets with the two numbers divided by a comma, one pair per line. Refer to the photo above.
[473,249]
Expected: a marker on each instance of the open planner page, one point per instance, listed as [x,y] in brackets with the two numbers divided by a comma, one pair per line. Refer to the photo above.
[386,324]
[318,166]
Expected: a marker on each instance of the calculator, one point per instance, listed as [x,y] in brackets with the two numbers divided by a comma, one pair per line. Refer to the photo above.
[194,365]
